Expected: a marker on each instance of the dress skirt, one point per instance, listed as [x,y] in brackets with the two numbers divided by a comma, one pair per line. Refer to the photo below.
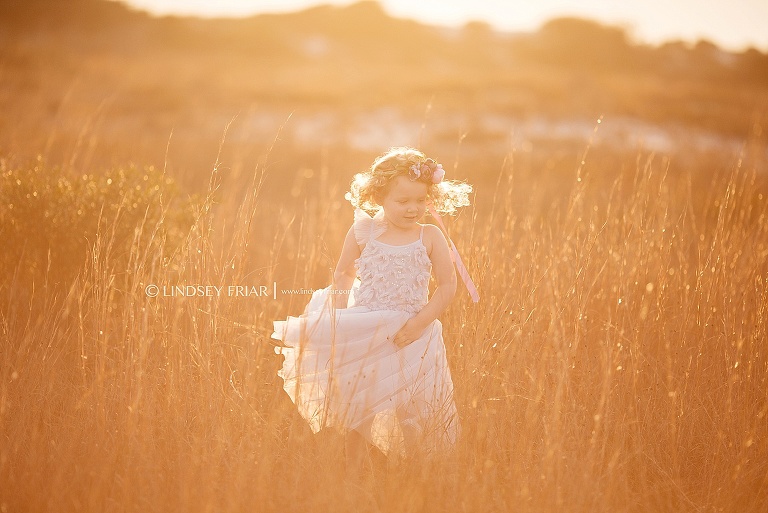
[342,370]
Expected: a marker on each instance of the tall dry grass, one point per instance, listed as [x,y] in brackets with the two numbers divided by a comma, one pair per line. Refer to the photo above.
[616,361]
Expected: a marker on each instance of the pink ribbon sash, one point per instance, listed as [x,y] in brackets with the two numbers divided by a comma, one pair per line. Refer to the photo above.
[460,267]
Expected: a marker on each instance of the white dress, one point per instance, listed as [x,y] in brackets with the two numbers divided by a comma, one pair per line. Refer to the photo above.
[341,368]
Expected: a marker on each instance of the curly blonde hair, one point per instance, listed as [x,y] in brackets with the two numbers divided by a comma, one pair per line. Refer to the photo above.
[368,189]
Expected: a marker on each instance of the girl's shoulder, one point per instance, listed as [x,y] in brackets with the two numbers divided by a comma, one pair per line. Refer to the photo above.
[431,235]
[432,231]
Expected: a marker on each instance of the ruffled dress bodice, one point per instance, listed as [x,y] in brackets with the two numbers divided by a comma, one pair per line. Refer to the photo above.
[391,277]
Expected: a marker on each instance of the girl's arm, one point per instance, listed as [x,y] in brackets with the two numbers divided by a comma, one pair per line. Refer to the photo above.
[345,272]
[445,274]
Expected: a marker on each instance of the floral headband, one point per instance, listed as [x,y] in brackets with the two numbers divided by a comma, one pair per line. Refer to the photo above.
[429,168]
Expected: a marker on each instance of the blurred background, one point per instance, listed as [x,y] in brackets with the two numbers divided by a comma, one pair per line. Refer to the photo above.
[618,235]
[94,83]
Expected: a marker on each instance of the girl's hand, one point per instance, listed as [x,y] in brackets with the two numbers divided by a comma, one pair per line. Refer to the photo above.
[407,334]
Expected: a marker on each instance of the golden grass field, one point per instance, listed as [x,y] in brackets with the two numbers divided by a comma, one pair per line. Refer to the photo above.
[617,360]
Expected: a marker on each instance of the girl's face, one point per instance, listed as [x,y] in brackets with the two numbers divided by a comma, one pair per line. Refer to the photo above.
[405,203]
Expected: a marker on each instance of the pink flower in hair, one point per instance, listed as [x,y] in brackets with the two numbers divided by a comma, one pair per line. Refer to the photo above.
[438,174]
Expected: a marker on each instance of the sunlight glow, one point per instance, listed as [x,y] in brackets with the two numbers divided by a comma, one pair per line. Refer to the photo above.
[733,25]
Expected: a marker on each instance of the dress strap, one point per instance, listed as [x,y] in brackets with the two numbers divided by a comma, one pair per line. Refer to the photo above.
[421,235]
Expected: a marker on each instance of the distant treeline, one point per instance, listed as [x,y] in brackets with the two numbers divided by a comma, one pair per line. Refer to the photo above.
[362,31]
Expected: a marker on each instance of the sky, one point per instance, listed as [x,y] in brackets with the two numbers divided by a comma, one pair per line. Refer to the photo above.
[731,24]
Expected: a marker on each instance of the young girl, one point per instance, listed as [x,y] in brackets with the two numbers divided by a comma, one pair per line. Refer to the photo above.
[367,356]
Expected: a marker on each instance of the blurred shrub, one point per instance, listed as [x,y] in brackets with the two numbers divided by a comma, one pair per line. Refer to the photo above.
[49,218]
[584,44]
